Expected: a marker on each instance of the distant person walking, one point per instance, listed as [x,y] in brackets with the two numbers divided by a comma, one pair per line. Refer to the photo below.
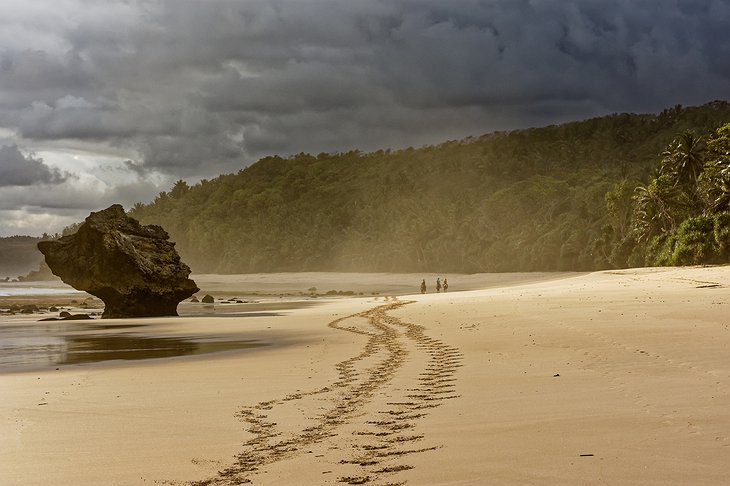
[446,284]
[438,284]
[423,286]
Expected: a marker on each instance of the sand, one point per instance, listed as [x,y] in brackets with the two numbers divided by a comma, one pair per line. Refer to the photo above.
[616,377]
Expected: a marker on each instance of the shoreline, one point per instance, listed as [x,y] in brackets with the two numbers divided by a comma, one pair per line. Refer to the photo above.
[299,285]
[237,296]
[617,377]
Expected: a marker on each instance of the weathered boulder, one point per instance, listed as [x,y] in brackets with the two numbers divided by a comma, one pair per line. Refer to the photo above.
[134,269]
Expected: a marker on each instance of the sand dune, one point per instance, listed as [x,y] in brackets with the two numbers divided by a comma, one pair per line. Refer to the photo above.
[611,377]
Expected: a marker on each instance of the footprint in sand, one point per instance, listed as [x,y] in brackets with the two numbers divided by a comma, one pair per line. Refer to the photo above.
[361,409]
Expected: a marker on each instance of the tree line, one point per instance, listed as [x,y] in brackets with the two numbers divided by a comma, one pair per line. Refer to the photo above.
[609,192]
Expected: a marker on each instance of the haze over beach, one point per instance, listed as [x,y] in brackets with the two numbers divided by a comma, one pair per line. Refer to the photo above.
[385,243]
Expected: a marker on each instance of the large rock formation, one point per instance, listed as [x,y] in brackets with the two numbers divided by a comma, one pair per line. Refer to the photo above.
[134,269]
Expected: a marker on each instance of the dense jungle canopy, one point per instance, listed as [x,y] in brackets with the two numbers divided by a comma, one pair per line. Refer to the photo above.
[609,192]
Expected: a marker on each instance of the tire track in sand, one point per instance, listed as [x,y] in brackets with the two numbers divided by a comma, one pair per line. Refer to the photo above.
[365,424]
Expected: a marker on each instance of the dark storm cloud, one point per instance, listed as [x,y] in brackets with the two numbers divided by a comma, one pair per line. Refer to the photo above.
[19,170]
[195,88]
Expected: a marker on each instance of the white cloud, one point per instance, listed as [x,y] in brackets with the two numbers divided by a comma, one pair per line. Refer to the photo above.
[32,223]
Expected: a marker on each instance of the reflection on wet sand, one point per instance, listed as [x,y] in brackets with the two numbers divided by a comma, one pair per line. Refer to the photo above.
[23,348]
[94,349]
[31,345]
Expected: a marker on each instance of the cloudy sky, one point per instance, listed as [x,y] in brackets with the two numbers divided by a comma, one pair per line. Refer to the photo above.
[111,101]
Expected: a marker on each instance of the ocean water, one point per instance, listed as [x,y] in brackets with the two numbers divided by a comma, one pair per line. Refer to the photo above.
[12,290]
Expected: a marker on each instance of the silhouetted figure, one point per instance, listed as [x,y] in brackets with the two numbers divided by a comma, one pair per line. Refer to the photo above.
[423,286]
[446,284]
[438,284]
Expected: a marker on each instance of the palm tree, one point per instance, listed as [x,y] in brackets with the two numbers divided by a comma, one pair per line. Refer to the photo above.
[684,160]
[713,187]
[658,208]
[713,184]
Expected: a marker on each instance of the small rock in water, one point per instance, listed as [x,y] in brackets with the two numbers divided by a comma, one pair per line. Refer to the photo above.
[208,299]
[69,317]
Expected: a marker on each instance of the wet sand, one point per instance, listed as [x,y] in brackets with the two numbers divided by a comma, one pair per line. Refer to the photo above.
[611,377]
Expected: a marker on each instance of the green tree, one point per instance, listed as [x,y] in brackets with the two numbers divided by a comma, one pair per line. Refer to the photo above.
[659,208]
[713,187]
[179,189]
[695,242]
[684,160]
[719,145]
[620,208]
[721,230]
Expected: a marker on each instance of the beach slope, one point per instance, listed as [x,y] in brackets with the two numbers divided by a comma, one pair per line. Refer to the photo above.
[618,377]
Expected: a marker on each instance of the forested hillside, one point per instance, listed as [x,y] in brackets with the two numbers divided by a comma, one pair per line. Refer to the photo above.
[554,198]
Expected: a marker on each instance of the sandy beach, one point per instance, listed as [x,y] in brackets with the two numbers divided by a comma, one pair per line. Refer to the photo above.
[616,377]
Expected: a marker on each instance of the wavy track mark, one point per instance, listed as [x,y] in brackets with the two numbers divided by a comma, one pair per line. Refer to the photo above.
[381,436]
